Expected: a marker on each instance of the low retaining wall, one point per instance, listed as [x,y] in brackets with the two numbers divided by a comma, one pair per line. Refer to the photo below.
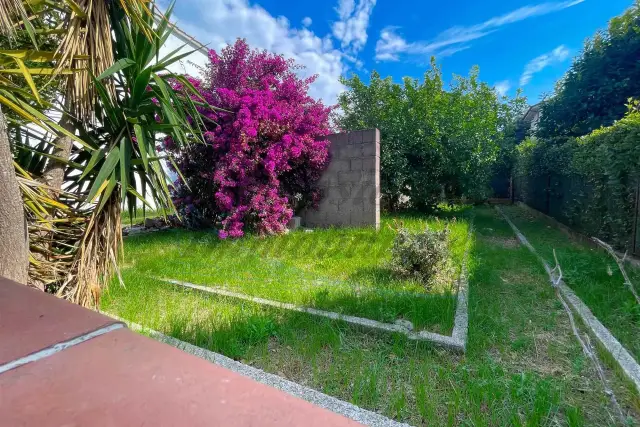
[351,183]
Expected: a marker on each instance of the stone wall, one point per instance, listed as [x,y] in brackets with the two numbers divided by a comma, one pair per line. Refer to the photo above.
[351,183]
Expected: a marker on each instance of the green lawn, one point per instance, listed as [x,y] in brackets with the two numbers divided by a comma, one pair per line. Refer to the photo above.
[523,365]
[139,216]
[591,273]
[341,270]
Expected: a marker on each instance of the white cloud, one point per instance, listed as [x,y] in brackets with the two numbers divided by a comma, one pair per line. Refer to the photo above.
[391,45]
[502,87]
[557,55]
[307,21]
[455,39]
[226,20]
[351,29]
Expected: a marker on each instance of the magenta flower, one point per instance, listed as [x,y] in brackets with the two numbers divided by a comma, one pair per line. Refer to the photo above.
[263,154]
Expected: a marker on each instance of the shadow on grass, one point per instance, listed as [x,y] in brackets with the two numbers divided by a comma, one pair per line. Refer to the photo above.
[522,367]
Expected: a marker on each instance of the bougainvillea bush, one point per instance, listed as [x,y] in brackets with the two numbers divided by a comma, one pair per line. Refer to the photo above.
[265,147]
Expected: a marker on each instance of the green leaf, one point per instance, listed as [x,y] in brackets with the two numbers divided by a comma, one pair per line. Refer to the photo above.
[162,31]
[125,164]
[142,145]
[167,62]
[28,78]
[29,27]
[108,189]
[95,158]
[106,170]
[139,197]
[140,86]
[175,166]
[38,71]
[110,110]
[119,65]
[76,8]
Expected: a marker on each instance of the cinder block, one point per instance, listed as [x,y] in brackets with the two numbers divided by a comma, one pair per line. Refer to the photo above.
[338,165]
[369,135]
[351,184]
[344,207]
[339,192]
[328,180]
[359,190]
[352,151]
[368,218]
[357,202]
[368,179]
[370,164]
[338,140]
[355,137]
[337,151]
[349,177]
[357,219]
[369,205]
[338,219]
[294,223]
[370,149]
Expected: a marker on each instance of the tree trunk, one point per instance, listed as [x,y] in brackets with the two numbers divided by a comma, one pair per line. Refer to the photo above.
[53,175]
[14,245]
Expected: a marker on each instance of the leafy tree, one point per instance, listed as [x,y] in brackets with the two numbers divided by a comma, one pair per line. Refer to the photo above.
[433,139]
[513,131]
[265,147]
[594,91]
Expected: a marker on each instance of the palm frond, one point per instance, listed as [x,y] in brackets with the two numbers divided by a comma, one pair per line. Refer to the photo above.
[88,35]
[9,10]
[55,228]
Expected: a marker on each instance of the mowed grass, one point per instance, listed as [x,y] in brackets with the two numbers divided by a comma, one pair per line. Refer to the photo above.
[340,270]
[522,367]
[591,272]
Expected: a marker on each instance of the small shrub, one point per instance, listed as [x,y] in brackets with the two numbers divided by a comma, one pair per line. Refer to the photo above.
[420,255]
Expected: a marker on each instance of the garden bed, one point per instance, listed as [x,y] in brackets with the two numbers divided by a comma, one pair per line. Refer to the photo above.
[339,270]
[590,272]
[522,366]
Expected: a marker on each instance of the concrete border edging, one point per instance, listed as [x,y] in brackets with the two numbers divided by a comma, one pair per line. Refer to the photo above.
[441,340]
[310,395]
[626,361]
[456,342]
[461,319]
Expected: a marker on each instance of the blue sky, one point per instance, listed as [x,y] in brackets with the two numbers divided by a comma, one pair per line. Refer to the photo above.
[516,43]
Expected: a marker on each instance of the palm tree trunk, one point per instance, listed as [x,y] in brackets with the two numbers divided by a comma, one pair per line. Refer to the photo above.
[14,246]
[53,175]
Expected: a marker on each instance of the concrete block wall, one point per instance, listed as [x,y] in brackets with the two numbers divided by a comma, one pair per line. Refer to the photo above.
[351,183]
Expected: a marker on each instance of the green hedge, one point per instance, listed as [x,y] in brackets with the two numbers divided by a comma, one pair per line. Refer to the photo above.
[588,183]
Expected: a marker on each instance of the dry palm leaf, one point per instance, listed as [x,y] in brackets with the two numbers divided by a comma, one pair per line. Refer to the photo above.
[8,10]
[97,257]
[88,35]
[55,228]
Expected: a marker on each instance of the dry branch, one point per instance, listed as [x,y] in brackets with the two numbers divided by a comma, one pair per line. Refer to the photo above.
[620,262]
[585,343]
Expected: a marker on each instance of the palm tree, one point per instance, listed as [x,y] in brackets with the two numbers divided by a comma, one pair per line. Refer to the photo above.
[119,99]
